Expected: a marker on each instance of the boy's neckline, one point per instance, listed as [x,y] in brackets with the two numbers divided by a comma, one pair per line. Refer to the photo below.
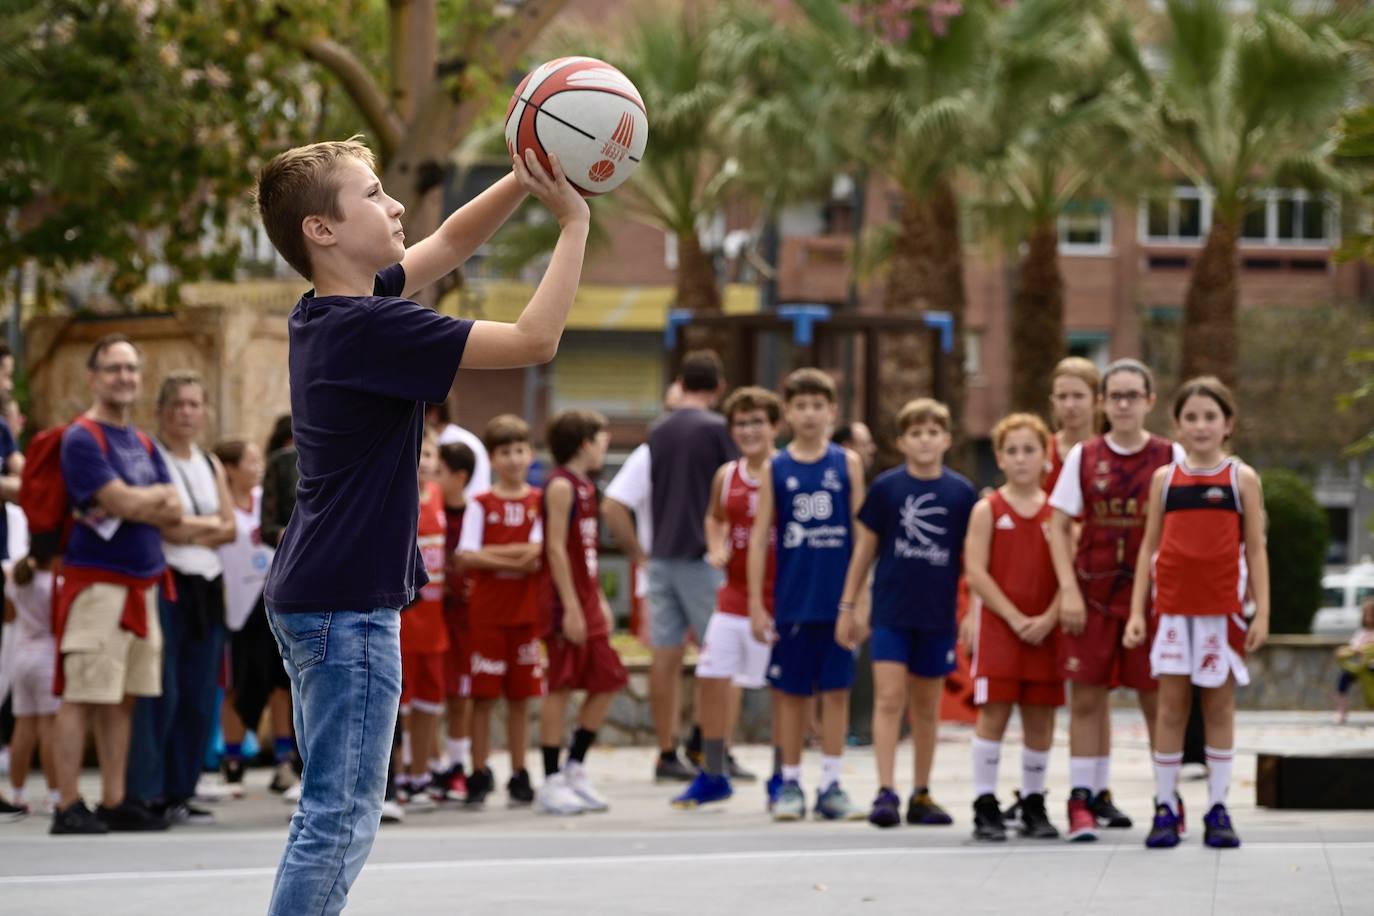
[822,449]
[911,472]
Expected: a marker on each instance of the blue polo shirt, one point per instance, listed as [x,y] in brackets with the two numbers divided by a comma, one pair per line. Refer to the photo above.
[920,526]
[361,370]
[135,548]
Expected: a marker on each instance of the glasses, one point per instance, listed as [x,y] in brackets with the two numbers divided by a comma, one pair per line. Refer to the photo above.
[749,424]
[1127,397]
[116,368]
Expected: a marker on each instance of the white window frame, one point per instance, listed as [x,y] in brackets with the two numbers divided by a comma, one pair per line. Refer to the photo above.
[973,353]
[1271,197]
[1180,192]
[1101,247]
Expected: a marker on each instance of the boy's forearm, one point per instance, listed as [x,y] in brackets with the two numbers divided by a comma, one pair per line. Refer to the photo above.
[560,568]
[546,315]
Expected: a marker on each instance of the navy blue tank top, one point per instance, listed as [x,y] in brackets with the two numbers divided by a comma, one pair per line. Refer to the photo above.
[815,536]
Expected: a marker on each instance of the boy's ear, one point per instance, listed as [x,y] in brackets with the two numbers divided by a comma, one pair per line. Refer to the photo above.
[318,231]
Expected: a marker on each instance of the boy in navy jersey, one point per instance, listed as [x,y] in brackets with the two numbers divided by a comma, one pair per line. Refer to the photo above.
[363,360]
[812,491]
[913,522]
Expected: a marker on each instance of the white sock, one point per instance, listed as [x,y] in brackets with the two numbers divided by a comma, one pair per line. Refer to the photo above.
[986,756]
[17,794]
[1103,777]
[1166,779]
[459,750]
[405,748]
[791,773]
[1035,767]
[830,771]
[1219,764]
[1083,773]
[437,765]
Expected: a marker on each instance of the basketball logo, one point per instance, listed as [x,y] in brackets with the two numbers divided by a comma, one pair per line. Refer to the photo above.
[601,170]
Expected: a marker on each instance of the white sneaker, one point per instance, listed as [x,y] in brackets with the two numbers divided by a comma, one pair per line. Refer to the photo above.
[212,789]
[557,797]
[392,812]
[292,795]
[420,802]
[579,782]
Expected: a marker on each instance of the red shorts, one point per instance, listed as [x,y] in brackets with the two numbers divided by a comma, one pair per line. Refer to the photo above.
[506,662]
[1096,657]
[458,658]
[1007,669]
[422,680]
[593,666]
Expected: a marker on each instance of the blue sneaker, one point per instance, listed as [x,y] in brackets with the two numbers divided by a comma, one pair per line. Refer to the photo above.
[790,804]
[773,787]
[887,809]
[1164,833]
[1217,830]
[705,789]
[834,805]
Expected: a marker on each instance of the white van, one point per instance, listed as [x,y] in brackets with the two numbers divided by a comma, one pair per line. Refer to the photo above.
[1342,595]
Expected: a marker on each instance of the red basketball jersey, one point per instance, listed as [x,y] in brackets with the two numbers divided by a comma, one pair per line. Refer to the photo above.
[1200,564]
[1019,558]
[455,582]
[498,597]
[740,499]
[1116,491]
[1054,466]
[422,624]
[582,556]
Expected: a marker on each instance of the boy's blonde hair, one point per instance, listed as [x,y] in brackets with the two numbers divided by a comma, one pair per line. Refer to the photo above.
[1009,424]
[302,182]
[922,410]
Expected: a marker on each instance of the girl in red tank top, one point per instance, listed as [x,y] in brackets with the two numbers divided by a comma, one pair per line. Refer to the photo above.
[1009,568]
[1204,533]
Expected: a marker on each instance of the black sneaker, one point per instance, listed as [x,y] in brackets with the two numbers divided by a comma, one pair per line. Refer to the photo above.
[736,772]
[131,817]
[187,813]
[922,811]
[519,789]
[987,820]
[1012,816]
[480,784]
[672,769]
[233,771]
[10,812]
[1106,811]
[77,818]
[1035,821]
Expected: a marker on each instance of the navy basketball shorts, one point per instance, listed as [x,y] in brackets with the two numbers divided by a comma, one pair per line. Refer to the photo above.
[806,660]
[925,653]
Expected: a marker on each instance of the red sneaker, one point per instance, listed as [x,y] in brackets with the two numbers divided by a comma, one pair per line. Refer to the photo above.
[456,784]
[1082,822]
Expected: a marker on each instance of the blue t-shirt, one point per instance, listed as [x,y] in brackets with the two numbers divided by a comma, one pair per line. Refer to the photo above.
[7,448]
[920,526]
[361,369]
[814,536]
[135,548]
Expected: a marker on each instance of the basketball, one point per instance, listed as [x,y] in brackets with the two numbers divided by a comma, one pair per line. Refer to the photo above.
[585,111]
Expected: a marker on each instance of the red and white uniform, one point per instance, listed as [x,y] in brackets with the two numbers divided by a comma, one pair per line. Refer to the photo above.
[503,607]
[1005,669]
[729,649]
[1054,465]
[424,634]
[457,677]
[1200,576]
[593,666]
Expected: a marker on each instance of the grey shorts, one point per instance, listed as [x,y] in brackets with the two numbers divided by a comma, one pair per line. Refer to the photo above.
[682,595]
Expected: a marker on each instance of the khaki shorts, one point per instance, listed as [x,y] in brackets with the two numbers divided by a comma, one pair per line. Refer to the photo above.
[101,662]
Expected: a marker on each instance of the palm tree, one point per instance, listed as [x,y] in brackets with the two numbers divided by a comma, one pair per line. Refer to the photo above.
[1241,102]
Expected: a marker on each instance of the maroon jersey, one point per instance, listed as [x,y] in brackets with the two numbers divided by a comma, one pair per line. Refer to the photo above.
[455,583]
[1116,491]
[582,556]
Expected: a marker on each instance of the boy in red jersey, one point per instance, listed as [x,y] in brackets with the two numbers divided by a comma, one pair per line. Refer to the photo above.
[424,641]
[1204,533]
[731,658]
[1106,482]
[1014,627]
[578,619]
[502,548]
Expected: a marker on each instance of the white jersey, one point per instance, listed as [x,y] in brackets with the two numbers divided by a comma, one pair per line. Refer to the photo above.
[246,560]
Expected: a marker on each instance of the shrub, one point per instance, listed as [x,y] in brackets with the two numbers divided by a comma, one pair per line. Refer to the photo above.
[1297,536]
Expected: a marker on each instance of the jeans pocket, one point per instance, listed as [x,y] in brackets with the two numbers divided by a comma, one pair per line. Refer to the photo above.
[302,637]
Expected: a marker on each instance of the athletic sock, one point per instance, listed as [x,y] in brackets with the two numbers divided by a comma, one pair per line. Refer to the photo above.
[1219,762]
[405,747]
[1035,767]
[777,759]
[1083,773]
[713,753]
[791,773]
[459,750]
[283,748]
[1103,777]
[694,740]
[550,759]
[1166,779]
[581,743]
[17,794]
[233,750]
[986,757]
[830,771]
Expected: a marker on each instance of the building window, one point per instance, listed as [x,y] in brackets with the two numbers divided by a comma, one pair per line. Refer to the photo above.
[1085,227]
[973,354]
[1184,216]
[1275,217]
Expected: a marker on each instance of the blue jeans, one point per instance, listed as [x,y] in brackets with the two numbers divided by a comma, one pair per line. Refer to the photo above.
[169,733]
[345,670]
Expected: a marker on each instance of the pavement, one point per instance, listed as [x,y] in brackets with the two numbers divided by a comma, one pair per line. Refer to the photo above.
[642,857]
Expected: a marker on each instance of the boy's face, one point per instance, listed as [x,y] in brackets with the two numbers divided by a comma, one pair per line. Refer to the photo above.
[753,432]
[511,462]
[924,444]
[429,461]
[810,415]
[594,450]
[452,481]
[1021,459]
[370,232]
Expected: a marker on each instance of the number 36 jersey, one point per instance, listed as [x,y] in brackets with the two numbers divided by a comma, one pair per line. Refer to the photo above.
[814,536]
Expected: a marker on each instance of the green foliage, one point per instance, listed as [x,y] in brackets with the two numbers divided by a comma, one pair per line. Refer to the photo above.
[1297,536]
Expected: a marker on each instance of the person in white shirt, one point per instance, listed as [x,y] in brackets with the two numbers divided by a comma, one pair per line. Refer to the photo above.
[438,418]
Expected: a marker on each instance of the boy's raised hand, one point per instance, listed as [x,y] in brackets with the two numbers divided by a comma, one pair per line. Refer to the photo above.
[553,191]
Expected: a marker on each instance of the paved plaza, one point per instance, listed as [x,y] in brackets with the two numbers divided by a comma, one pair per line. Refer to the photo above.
[644,858]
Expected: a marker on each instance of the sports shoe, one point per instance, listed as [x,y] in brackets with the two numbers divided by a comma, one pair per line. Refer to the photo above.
[130,817]
[771,789]
[922,810]
[283,777]
[736,772]
[1217,831]
[887,809]
[1082,824]
[77,818]
[455,784]
[421,802]
[1182,815]
[232,772]
[1107,813]
[392,812]
[1012,816]
[581,783]
[480,785]
[791,802]
[211,790]
[987,819]
[555,796]
[1035,820]
[834,805]
[10,812]
[706,789]
[1164,832]
[672,769]
[520,794]
[182,812]
[292,796]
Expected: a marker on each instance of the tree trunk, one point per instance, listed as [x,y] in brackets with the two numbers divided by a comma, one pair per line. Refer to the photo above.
[698,291]
[1209,310]
[1037,320]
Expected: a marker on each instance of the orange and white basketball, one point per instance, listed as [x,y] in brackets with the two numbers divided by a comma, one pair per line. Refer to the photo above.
[586,112]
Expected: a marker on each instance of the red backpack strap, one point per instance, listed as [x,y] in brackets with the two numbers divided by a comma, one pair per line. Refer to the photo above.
[147,441]
[96,430]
